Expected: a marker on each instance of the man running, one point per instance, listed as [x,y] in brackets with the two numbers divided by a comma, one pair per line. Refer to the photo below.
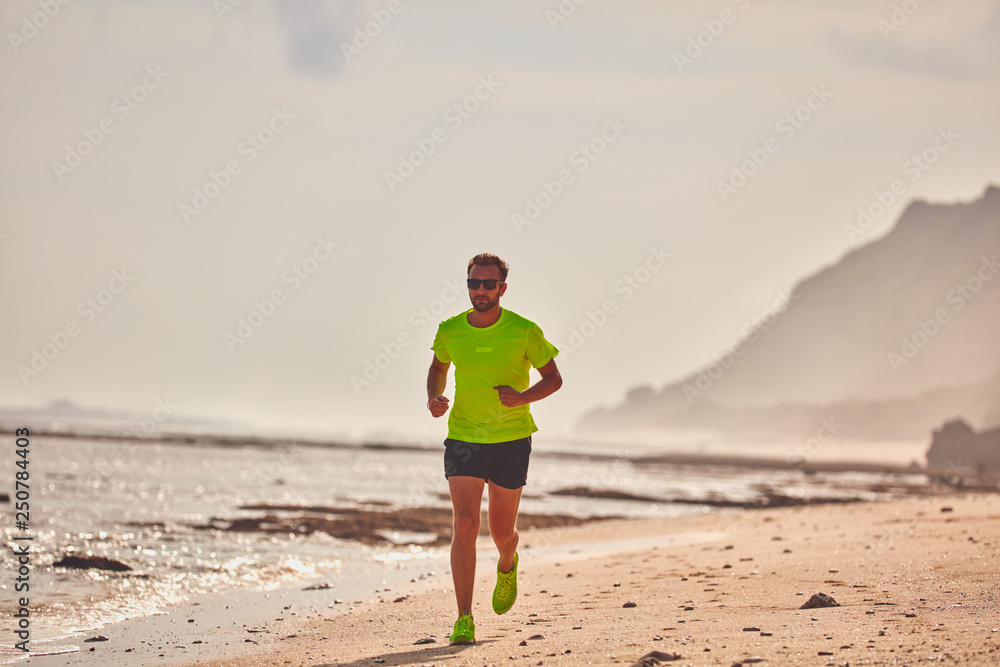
[490,427]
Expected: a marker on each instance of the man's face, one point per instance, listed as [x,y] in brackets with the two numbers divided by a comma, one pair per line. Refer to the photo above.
[484,300]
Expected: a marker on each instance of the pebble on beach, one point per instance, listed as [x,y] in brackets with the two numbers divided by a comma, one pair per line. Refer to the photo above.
[318,587]
[656,658]
[820,600]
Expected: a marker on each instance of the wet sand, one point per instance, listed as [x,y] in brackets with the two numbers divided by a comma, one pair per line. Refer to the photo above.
[916,580]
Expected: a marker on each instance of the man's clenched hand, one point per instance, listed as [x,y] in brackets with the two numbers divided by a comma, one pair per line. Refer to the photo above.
[510,397]
[438,406]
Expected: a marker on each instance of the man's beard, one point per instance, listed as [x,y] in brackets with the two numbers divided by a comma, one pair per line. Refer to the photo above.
[485,306]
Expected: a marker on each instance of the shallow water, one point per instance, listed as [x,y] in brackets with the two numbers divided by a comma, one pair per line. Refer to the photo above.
[138,503]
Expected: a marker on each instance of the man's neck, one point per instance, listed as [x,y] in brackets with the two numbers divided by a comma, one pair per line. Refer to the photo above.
[483,320]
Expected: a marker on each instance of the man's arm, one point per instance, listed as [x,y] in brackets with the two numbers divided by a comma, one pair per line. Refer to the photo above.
[550,382]
[437,380]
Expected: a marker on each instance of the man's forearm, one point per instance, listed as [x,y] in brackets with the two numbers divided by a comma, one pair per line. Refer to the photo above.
[544,387]
[436,383]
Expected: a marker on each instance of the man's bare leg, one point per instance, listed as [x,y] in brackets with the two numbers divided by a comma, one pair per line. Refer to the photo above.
[502,515]
[466,499]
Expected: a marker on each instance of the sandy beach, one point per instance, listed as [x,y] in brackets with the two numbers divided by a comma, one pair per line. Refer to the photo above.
[916,581]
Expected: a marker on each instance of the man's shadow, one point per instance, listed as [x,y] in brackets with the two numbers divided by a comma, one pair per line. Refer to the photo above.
[418,656]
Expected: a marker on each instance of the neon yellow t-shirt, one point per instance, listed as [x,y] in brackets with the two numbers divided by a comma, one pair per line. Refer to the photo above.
[484,358]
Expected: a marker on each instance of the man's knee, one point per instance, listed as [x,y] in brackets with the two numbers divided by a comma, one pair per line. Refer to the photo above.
[503,528]
[466,524]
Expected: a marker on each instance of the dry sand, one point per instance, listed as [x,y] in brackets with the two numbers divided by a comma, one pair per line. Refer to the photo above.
[917,580]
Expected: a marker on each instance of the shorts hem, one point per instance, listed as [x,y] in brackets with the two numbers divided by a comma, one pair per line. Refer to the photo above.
[503,463]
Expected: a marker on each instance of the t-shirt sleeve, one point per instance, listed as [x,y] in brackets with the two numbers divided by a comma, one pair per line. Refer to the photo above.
[538,350]
[440,351]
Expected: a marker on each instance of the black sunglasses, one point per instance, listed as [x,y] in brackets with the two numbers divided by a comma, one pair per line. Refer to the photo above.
[489,284]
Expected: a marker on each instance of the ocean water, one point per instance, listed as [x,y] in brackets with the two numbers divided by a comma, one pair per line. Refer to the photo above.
[140,502]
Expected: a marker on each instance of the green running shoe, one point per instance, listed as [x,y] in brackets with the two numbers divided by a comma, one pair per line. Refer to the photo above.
[506,590]
[464,632]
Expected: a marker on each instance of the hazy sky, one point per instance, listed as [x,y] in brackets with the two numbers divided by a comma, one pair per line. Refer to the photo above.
[169,167]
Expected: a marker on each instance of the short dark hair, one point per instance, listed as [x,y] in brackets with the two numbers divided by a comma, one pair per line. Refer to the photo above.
[488,259]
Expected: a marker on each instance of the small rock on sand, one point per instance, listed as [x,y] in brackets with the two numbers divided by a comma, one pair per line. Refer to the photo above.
[98,638]
[656,658]
[425,640]
[820,600]
[628,605]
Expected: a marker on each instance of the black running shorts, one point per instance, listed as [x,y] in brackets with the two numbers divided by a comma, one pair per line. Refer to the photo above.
[503,463]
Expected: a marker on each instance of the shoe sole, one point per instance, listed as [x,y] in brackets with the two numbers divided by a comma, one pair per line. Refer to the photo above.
[504,611]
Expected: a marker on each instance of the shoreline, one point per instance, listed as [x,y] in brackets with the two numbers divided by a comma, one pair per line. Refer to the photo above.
[206,625]
[209,625]
[342,533]
[916,579]
[589,450]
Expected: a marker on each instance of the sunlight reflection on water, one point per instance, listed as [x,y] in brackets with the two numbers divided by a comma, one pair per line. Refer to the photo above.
[139,503]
